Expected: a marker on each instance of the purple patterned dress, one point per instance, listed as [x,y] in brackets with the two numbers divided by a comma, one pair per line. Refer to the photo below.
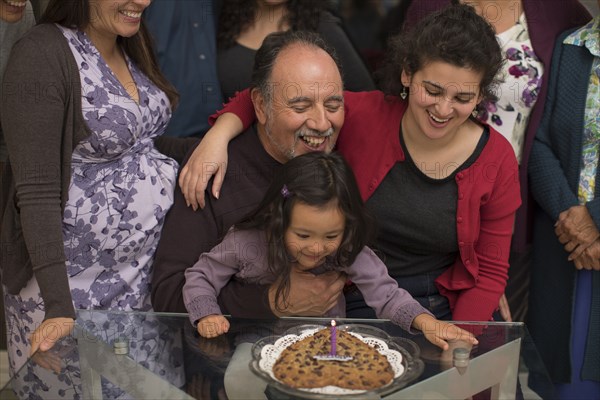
[121,188]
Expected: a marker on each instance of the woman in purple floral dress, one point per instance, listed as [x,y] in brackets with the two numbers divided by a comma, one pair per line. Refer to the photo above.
[85,174]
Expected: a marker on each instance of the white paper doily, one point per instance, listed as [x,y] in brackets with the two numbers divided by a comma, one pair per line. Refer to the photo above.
[270,353]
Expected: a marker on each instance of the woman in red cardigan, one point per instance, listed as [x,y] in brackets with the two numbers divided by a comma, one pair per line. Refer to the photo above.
[443,187]
[526,30]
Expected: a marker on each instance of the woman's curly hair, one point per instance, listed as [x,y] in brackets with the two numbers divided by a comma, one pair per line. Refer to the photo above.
[238,15]
[456,35]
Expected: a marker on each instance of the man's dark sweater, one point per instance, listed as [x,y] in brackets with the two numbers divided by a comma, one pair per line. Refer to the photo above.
[187,233]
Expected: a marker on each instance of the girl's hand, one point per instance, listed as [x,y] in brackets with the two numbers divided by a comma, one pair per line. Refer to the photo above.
[439,332]
[209,158]
[212,326]
[49,332]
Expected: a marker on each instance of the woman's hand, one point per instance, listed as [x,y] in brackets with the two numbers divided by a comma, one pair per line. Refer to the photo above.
[504,308]
[440,333]
[49,332]
[212,326]
[207,160]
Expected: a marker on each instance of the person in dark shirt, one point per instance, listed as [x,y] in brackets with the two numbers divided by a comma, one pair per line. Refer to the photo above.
[185,37]
[243,25]
[289,123]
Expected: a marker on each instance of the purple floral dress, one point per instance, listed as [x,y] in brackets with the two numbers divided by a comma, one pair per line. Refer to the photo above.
[121,188]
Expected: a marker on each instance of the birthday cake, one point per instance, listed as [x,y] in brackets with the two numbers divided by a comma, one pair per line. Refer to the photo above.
[309,363]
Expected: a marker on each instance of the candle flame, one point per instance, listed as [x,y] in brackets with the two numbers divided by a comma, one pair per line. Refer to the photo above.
[332,322]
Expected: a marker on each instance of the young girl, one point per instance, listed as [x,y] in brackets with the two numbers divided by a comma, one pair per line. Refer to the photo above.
[312,218]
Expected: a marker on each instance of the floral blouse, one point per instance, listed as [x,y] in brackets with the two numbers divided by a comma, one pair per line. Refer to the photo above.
[517,94]
[589,36]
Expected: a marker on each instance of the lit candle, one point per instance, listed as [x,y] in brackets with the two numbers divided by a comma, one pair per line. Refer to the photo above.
[333,338]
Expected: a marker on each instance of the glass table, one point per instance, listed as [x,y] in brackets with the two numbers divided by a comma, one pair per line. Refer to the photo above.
[160,356]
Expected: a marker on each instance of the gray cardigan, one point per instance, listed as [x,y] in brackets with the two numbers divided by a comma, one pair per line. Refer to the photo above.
[42,121]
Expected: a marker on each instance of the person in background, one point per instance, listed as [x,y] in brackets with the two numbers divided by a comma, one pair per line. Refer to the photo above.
[526,30]
[185,38]
[15,19]
[14,22]
[564,310]
[243,25]
[442,186]
[284,129]
[362,20]
[86,189]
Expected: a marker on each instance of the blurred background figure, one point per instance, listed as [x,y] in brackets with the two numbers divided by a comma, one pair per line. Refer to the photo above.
[15,20]
[244,24]
[362,20]
[184,33]
[38,7]
[564,315]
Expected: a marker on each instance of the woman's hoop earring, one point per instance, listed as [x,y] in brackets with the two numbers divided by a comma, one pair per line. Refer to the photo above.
[403,94]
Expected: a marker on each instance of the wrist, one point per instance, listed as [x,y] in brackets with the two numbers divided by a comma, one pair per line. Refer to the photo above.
[421,321]
[229,126]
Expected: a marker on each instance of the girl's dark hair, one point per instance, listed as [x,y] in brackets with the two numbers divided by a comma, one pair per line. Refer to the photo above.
[139,47]
[314,179]
[238,15]
[456,35]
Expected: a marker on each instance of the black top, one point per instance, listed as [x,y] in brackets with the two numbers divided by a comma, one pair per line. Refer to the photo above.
[417,216]
[235,64]
[187,233]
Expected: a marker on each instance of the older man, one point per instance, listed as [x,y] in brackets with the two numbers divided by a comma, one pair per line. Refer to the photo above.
[297,94]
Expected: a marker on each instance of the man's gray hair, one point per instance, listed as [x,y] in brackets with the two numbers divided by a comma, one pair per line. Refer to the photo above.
[265,58]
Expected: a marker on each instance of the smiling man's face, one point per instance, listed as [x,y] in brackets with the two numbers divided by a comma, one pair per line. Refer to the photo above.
[306,109]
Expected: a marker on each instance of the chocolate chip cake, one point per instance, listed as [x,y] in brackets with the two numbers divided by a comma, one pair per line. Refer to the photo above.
[297,367]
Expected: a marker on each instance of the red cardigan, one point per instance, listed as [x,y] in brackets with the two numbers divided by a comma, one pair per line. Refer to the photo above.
[488,196]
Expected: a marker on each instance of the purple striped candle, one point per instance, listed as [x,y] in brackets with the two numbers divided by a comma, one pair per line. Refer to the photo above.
[333,339]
